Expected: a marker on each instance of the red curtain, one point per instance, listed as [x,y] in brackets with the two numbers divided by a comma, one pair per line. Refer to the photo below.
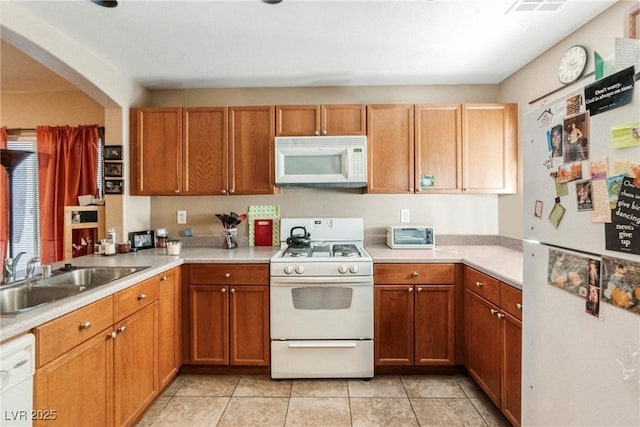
[68,167]
[4,203]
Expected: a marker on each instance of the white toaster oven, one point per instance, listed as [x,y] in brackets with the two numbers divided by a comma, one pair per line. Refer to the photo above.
[410,237]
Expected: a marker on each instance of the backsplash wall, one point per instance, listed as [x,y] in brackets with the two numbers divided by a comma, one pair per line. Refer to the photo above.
[448,214]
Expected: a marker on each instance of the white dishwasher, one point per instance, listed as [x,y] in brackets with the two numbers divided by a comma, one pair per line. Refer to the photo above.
[17,366]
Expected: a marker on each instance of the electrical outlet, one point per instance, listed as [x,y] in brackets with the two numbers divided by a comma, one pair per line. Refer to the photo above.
[404,215]
[182,217]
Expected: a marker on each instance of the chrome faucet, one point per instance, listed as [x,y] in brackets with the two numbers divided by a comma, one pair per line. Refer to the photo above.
[10,268]
[31,266]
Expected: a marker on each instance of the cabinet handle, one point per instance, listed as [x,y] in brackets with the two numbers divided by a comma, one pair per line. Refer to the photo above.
[223,290]
[500,315]
[419,289]
[163,279]
[233,291]
[176,191]
[410,190]
[85,325]
[111,335]
[232,191]
[479,284]
[414,274]
[317,132]
[141,297]
[324,132]
[410,289]
[519,306]
[223,191]
[494,311]
[121,329]
[227,275]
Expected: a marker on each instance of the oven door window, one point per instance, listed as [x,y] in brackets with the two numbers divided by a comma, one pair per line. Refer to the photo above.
[322,298]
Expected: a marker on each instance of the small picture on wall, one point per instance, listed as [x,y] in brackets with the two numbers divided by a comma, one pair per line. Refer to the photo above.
[113,152]
[576,138]
[113,169]
[583,193]
[113,186]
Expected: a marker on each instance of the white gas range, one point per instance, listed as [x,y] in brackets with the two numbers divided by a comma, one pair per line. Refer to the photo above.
[321,300]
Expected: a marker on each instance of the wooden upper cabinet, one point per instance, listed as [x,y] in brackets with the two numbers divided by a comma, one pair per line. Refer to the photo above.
[310,120]
[490,148]
[390,148]
[438,148]
[251,151]
[156,151]
[205,150]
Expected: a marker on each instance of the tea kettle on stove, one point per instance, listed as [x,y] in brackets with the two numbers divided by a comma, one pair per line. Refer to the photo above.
[297,239]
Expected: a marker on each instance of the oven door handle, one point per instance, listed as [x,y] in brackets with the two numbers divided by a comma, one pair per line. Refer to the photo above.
[321,281]
[323,345]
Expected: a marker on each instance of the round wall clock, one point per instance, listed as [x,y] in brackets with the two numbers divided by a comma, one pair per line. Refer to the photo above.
[572,64]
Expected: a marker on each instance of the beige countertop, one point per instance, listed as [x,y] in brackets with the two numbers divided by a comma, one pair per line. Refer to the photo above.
[501,263]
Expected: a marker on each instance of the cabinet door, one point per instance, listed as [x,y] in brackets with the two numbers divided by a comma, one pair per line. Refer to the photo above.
[135,364]
[344,119]
[297,120]
[438,148]
[169,346]
[490,148]
[394,324]
[251,161]
[249,333]
[390,148]
[511,368]
[209,324]
[205,151]
[435,325]
[156,151]
[482,338]
[78,386]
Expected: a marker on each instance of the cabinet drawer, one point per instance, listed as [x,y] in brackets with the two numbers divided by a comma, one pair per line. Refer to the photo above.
[403,274]
[483,285]
[58,336]
[130,300]
[511,300]
[229,274]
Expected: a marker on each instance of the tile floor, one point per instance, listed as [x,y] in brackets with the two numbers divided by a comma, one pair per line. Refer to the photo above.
[423,400]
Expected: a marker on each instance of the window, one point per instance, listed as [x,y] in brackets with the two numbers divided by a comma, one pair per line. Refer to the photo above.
[24,195]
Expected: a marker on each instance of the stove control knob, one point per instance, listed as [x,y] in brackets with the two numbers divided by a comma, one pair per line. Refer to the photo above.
[288,269]
[353,268]
[342,269]
[300,269]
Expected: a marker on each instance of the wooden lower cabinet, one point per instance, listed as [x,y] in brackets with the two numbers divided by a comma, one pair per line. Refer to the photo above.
[169,326]
[414,314]
[229,314]
[77,387]
[135,364]
[493,340]
[110,373]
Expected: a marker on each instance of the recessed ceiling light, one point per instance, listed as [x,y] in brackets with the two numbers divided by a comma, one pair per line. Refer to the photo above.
[105,3]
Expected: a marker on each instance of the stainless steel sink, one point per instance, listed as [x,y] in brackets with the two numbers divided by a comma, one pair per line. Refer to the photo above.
[88,277]
[26,295]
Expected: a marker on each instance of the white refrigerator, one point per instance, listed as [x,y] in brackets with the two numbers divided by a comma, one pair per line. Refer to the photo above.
[580,360]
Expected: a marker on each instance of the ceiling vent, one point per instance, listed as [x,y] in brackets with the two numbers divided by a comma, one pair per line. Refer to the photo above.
[536,6]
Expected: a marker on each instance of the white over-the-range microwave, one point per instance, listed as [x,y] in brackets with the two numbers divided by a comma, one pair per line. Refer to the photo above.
[321,161]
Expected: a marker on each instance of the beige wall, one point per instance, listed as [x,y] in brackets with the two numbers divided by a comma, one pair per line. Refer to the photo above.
[28,110]
[539,77]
